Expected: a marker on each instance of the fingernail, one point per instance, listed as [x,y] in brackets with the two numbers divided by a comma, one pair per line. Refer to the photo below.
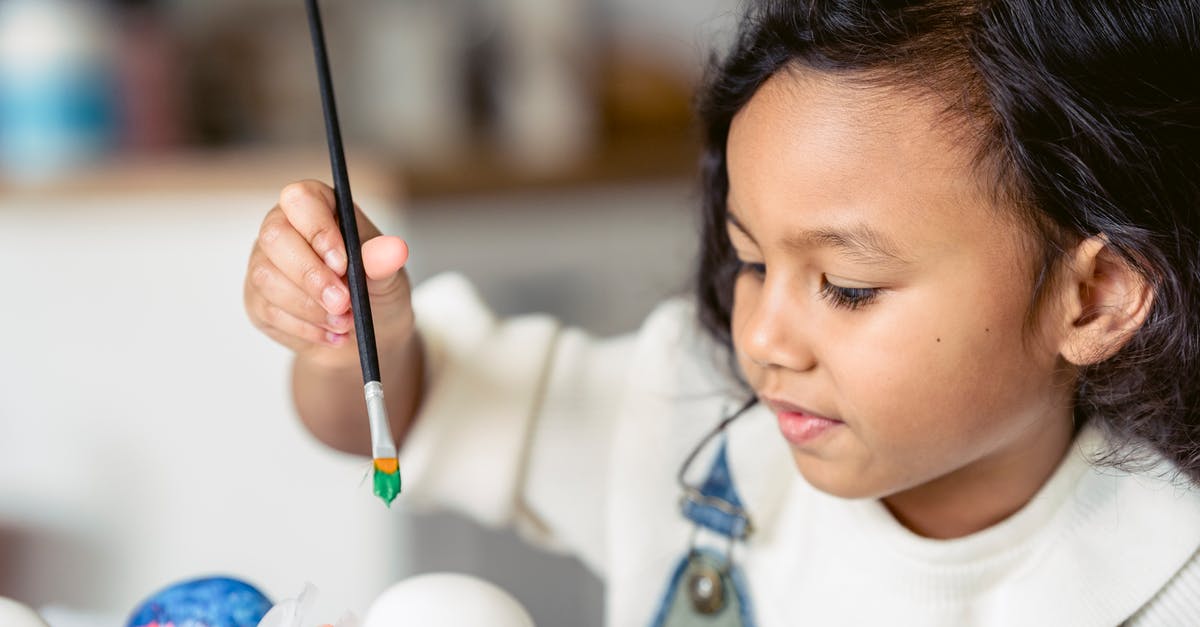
[336,339]
[339,321]
[333,259]
[332,296]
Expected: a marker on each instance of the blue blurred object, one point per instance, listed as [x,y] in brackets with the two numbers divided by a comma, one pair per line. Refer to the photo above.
[206,602]
[58,100]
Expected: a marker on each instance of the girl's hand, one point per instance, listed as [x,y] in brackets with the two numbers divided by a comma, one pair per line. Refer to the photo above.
[295,288]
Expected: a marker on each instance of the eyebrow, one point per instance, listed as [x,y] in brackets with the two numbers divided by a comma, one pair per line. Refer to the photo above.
[859,242]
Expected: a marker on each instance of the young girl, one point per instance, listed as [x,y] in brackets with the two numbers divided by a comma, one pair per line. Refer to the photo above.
[950,255]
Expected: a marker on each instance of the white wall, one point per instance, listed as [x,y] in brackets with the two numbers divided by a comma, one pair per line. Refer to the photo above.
[145,429]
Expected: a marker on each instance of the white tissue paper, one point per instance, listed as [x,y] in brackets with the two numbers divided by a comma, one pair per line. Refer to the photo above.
[295,612]
[14,614]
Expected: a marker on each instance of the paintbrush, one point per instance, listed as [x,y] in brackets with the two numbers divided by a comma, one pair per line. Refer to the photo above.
[383,446]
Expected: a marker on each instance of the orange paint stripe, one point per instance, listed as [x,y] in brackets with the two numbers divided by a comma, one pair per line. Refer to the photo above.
[387,464]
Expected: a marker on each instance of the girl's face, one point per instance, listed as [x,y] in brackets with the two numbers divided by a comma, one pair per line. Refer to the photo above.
[881,289]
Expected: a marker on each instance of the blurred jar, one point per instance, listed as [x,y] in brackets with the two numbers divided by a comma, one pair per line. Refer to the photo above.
[149,87]
[57,89]
[546,105]
[407,84]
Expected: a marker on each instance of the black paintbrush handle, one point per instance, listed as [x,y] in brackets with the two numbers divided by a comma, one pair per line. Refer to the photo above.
[357,277]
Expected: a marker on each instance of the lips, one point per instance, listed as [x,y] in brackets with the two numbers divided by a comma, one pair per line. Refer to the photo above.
[784,407]
[799,425]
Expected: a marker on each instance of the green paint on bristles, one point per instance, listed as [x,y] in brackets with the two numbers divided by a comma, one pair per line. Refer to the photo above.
[387,485]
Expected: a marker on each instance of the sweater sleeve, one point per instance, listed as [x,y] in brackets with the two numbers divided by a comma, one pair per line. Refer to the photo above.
[517,419]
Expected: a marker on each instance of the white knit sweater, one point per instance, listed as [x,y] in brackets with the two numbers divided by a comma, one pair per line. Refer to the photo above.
[577,441]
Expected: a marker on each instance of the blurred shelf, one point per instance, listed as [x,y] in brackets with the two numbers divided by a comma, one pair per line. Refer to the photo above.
[617,161]
[202,171]
[482,172]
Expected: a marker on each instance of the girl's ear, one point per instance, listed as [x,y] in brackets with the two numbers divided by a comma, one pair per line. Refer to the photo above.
[1105,302]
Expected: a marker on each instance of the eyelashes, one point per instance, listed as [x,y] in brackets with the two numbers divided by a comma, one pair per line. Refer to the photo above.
[745,267]
[849,298]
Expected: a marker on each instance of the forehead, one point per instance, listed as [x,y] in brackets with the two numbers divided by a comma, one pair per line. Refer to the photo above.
[828,151]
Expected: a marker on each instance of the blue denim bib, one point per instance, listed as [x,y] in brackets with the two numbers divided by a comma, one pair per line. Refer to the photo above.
[707,588]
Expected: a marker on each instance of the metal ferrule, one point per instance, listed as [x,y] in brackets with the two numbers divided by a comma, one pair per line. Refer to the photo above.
[383,446]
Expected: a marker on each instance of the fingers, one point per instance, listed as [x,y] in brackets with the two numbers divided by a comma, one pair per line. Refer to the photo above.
[287,329]
[275,288]
[288,251]
[383,256]
[285,313]
[295,290]
[310,207]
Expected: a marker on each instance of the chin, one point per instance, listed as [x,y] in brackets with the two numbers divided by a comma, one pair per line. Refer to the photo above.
[834,479]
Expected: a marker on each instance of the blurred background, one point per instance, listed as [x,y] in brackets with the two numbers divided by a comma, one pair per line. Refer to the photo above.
[544,148]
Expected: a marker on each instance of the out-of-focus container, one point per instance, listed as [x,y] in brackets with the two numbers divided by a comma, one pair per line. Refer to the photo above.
[407,93]
[57,89]
[546,111]
[148,78]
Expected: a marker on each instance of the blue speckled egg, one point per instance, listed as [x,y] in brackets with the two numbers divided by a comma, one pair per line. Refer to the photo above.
[207,602]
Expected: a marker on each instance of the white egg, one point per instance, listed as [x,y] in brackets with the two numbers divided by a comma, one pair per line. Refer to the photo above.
[446,600]
[13,614]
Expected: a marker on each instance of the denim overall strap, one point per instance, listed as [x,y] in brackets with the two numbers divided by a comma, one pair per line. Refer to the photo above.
[717,507]
[722,510]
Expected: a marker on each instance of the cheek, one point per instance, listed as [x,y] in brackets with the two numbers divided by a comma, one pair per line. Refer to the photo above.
[941,372]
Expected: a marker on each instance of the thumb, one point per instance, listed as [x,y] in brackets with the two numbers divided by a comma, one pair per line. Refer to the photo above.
[383,257]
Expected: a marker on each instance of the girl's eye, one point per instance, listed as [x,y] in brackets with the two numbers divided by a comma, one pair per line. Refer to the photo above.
[757,269]
[848,297]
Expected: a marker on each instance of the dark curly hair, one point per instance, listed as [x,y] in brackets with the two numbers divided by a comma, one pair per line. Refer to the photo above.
[1085,115]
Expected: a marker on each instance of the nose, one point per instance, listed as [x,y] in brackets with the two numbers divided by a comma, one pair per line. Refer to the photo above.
[774,332]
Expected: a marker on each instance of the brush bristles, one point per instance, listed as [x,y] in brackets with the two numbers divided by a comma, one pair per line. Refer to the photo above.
[387,484]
